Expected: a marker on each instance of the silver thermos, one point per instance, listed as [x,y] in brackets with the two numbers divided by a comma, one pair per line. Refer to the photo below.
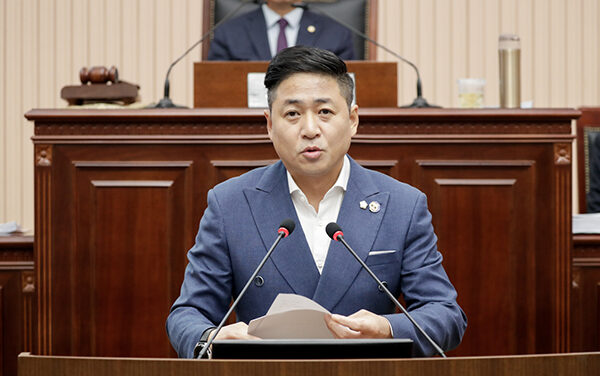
[509,51]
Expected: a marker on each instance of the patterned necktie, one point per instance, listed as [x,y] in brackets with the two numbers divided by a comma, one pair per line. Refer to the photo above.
[282,40]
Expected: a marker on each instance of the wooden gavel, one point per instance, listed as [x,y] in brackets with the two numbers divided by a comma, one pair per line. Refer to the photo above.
[99,75]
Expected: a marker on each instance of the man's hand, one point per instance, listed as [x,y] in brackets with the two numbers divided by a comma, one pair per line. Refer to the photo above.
[362,324]
[239,330]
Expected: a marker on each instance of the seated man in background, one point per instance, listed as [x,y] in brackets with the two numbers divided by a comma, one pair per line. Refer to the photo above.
[593,196]
[260,34]
[311,121]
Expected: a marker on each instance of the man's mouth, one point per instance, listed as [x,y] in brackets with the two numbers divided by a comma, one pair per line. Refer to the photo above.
[312,152]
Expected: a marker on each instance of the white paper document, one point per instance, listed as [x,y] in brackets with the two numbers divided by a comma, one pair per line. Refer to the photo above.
[257,92]
[291,316]
[586,223]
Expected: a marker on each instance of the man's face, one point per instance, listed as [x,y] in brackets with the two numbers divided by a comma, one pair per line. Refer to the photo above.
[310,126]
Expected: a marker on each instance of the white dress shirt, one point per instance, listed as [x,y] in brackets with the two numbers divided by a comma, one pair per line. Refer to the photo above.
[291,31]
[313,223]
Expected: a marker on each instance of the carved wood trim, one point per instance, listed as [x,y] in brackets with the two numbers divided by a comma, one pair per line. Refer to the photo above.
[242,163]
[562,154]
[598,309]
[28,288]
[43,255]
[473,163]
[27,282]
[132,183]
[16,265]
[586,262]
[43,155]
[377,163]
[475,181]
[130,164]
[244,127]
[563,245]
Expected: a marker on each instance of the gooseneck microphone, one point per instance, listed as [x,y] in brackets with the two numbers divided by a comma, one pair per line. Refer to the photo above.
[166,102]
[335,232]
[285,229]
[419,101]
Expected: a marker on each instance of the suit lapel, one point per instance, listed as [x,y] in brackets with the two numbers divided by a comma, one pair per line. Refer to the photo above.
[258,36]
[270,203]
[360,228]
[306,38]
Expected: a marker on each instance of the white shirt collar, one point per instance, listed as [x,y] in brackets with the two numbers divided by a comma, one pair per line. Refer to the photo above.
[342,180]
[272,17]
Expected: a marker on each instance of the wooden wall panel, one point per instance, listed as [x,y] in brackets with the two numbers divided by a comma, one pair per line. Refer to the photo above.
[494,221]
[138,274]
[126,284]
[585,293]
[484,212]
[586,303]
[16,296]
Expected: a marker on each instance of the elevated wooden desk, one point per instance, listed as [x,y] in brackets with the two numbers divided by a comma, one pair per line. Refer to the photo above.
[119,195]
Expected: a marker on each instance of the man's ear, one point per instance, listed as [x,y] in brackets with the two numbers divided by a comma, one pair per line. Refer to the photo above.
[354,119]
[269,122]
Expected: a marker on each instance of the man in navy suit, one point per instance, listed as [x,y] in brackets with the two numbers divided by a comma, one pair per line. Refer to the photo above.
[311,121]
[257,34]
[593,196]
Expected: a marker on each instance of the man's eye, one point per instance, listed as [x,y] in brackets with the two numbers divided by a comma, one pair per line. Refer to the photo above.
[325,111]
[292,114]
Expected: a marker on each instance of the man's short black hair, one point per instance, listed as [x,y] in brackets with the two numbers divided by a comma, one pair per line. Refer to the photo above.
[302,59]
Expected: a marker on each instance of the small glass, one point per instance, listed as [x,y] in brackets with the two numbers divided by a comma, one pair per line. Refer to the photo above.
[470,92]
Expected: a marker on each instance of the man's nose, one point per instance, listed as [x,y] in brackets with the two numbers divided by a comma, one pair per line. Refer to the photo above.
[310,126]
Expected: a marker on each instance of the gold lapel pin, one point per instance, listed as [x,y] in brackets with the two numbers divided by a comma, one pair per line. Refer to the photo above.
[311,29]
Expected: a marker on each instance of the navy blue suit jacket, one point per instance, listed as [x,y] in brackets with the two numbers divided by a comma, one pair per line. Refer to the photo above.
[593,196]
[241,222]
[245,37]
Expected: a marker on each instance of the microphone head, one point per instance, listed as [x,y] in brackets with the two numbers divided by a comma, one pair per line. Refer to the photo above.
[334,231]
[286,227]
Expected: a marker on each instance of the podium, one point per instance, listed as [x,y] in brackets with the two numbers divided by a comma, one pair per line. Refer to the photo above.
[224,83]
[119,192]
[556,364]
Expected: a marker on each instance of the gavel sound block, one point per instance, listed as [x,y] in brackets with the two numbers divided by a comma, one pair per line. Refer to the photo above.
[100,84]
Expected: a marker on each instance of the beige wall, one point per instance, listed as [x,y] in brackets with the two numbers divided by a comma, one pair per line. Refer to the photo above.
[44,43]
[451,39]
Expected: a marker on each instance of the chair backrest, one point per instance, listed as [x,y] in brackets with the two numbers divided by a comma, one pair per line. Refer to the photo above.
[588,128]
[361,14]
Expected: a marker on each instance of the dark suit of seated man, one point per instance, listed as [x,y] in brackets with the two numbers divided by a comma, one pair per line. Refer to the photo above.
[311,121]
[255,35]
[593,196]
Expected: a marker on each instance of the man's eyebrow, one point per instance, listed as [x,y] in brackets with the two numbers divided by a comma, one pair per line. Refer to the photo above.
[299,101]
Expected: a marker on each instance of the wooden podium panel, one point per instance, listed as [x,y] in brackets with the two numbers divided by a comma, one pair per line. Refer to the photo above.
[223,83]
[579,364]
[119,195]
[585,293]
[17,298]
